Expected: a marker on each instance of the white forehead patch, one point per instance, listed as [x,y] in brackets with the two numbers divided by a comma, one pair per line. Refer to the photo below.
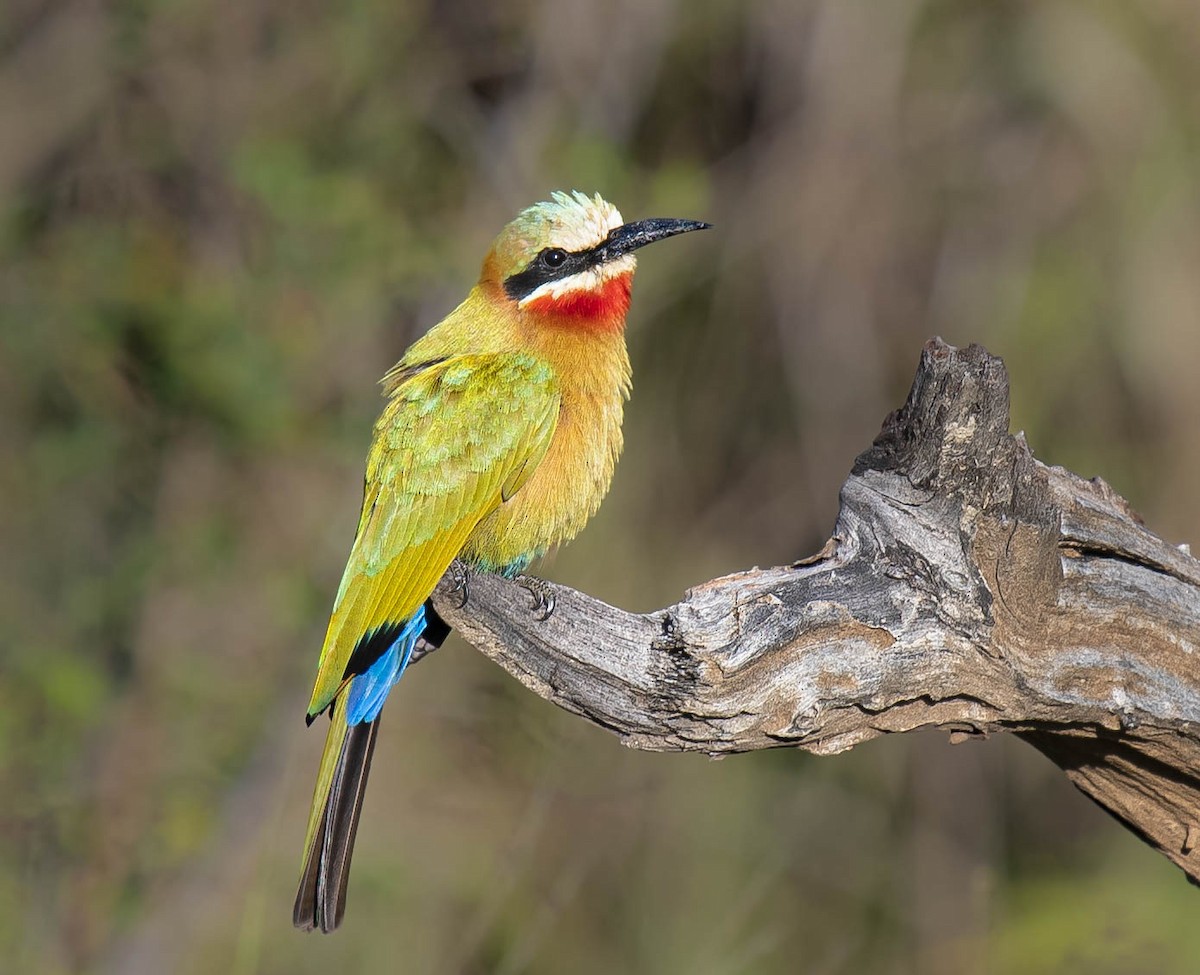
[580,221]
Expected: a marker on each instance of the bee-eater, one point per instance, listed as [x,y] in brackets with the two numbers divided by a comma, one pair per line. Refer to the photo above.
[498,440]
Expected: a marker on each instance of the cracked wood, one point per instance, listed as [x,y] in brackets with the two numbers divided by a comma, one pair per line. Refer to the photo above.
[966,586]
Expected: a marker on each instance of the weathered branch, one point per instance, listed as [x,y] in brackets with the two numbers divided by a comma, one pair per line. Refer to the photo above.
[967,587]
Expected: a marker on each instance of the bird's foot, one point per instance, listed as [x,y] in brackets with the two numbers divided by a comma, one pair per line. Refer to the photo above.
[461,576]
[543,596]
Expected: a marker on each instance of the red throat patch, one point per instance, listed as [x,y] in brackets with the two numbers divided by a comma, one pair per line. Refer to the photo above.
[602,309]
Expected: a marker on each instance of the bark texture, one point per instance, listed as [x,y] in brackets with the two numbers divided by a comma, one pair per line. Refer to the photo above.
[966,586]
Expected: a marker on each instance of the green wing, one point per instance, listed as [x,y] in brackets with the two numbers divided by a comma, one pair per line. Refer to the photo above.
[455,441]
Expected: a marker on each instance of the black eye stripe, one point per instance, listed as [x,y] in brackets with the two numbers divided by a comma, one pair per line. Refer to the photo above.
[541,271]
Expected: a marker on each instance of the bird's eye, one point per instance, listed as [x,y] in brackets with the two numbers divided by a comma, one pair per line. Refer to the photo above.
[554,257]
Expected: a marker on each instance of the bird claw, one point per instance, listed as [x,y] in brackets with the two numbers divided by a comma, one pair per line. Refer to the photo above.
[462,580]
[543,597]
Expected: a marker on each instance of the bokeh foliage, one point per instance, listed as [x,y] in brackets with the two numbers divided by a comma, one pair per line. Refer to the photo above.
[221,221]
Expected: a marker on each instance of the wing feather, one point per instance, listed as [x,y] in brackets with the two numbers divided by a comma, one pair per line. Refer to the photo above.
[454,442]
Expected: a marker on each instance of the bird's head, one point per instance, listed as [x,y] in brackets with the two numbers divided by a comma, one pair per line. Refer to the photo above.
[571,259]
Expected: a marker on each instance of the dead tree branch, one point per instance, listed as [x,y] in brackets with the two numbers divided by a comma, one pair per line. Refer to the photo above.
[966,587]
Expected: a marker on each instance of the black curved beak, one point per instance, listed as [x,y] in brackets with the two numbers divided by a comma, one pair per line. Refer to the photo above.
[630,236]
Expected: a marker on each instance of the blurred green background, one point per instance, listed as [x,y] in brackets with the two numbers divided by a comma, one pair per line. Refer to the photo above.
[220,223]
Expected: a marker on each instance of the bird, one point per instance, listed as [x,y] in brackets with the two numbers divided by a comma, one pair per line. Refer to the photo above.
[498,439]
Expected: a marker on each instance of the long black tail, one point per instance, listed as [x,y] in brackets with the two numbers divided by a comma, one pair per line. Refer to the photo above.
[321,896]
